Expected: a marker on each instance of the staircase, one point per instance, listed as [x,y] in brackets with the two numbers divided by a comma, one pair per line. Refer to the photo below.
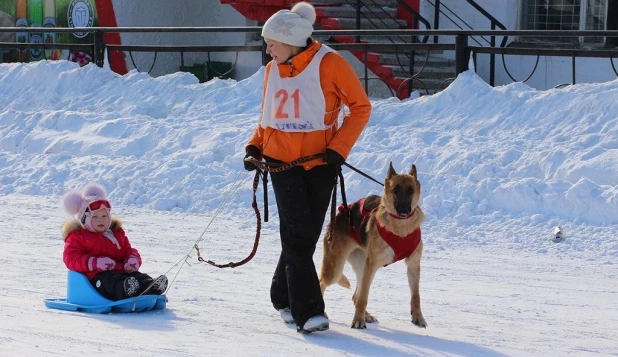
[392,68]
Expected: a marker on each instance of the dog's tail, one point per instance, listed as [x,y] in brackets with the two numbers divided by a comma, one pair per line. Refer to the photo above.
[343,281]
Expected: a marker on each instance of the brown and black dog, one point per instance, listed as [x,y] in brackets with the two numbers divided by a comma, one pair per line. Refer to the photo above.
[378,231]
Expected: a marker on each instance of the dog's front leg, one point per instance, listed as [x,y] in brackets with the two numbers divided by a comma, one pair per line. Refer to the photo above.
[362,297]
[414,276]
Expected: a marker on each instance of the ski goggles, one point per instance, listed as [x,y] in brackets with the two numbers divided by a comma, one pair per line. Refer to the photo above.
[98,204]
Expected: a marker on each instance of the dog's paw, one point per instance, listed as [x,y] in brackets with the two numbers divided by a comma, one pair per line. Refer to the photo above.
[359,320]
[370,319]
[360,324]
[418,319]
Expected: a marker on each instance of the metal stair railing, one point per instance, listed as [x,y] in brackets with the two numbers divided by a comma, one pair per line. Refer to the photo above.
[376,18]
[494,24]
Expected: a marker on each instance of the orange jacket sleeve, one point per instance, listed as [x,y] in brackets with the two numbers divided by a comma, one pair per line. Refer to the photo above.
[336,70]
[258,133]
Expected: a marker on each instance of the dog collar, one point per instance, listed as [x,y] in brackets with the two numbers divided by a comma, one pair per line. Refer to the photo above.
[406,217]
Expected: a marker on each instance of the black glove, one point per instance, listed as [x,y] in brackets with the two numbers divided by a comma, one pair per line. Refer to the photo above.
[253,152]
[333,158]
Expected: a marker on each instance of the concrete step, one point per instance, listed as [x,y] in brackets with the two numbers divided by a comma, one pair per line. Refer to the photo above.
[419,58]
[348,11]
[429,72]
[383,3]
[383,23]
[365,24]
[383,39]
[426,85]
[391,49]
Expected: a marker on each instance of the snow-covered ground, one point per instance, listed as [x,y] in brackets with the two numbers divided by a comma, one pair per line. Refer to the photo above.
[500,168]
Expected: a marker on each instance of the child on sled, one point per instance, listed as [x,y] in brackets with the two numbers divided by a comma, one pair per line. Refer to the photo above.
[95,245]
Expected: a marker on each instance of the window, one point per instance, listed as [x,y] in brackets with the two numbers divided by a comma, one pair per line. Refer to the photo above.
[565,15]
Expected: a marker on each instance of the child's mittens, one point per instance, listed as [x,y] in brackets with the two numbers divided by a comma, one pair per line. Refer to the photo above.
[131,264]
[101,264]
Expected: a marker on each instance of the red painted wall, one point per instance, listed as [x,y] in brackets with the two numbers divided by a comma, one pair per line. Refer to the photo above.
[107,18]
[403,14]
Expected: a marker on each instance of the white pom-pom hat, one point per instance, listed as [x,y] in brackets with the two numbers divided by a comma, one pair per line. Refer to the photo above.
[292,27]
[92,199]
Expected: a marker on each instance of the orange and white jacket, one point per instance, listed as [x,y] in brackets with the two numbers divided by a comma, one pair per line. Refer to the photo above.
[340,85]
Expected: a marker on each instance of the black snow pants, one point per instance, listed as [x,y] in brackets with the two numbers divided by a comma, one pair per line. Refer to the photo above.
[110,283]
[303,198]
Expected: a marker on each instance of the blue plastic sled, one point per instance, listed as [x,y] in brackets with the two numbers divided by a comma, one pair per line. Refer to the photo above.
[82,296]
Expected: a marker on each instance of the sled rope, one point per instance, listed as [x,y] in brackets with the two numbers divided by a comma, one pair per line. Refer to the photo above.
[256,181]
[185,259]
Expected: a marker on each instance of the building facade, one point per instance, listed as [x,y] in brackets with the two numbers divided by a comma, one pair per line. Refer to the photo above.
[544,72]
[537,15]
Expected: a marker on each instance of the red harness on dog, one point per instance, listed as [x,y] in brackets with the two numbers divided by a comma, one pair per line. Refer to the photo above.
[402,246]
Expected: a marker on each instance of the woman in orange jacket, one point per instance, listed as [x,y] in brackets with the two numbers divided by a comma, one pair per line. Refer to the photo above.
[305,87]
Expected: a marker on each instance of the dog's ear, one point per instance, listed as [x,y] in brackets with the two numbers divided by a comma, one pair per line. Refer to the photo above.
[413,171]
[391,171]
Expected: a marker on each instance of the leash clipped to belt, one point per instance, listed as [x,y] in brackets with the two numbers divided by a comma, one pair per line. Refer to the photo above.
[263,169]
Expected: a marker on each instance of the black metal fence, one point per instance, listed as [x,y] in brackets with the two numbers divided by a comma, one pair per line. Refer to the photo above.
[461,47]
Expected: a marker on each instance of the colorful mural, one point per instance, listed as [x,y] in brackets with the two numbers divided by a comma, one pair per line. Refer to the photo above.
[46,14]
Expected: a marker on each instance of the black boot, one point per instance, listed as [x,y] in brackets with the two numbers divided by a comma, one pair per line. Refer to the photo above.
[159,286]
